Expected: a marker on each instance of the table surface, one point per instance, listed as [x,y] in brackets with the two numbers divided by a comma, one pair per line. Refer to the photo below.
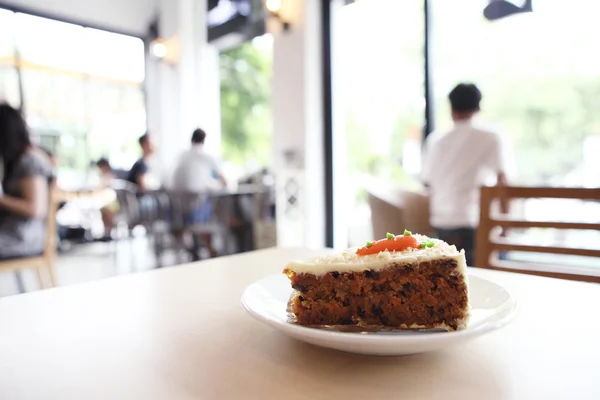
[181,333]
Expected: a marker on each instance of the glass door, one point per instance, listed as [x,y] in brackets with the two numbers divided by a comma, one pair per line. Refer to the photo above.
[378,108]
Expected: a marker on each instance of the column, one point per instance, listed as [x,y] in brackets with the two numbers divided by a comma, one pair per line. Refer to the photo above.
[298,125]
[183,89]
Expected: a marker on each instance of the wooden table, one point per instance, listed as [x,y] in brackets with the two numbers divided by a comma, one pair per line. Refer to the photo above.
[180,333]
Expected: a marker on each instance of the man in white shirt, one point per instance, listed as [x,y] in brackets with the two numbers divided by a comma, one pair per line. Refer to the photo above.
[197,171]
[456,164]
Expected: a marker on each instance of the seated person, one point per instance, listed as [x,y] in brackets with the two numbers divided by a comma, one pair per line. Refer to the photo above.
[24,191]
[109,211]
[140,173]
[198,172]
[108,173]
[141,176]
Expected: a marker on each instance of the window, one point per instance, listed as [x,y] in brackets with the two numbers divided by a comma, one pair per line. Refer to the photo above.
[540,78]
[82,90]
[378,95]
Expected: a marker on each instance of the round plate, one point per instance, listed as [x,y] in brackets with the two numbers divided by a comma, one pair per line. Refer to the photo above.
[492,307]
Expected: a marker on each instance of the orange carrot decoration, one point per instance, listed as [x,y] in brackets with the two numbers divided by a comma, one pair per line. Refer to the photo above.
[390,243]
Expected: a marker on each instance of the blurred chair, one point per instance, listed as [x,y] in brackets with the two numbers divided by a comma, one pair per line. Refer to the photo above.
[182,214]
[256,201]
[135,208]
[264,224]
[129,208]
[223,223]
[489,242]
[44,261]
[394,209]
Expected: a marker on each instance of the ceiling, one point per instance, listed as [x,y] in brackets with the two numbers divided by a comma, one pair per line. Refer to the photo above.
[125,16]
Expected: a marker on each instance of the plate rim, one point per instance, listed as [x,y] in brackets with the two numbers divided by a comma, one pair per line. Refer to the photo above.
[508,313]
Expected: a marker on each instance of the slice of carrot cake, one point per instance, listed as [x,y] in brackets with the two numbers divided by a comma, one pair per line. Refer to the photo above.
[400,282]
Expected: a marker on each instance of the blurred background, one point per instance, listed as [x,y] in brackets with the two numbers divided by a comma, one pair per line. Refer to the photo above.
[315,113]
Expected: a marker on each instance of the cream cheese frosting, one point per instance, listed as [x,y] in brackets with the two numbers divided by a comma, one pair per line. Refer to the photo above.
[349,261]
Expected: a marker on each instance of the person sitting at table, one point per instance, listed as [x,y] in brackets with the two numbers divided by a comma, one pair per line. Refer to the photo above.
[140,173]
[197,171]
[145,181]
[24,191]
[108,173]
[109,211]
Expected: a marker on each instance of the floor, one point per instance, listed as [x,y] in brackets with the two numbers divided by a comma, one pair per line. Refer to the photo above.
[90,262]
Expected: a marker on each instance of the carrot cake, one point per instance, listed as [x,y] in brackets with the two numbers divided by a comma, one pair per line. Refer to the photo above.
[401,282]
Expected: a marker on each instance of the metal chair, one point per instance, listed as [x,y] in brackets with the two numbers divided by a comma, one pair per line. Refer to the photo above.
[182,214]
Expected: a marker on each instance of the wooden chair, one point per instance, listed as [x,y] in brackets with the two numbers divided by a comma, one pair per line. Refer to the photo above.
[394,209]
[487,243]
[45,261]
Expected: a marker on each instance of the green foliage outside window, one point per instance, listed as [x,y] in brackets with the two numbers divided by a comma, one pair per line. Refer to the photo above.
[246,120]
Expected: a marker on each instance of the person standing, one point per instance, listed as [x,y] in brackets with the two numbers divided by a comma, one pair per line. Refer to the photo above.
[456,164]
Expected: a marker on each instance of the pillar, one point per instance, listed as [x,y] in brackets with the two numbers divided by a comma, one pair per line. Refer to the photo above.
[298,125]
[183,89]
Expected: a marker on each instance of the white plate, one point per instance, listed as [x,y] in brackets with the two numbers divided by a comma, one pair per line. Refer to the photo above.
[492,307]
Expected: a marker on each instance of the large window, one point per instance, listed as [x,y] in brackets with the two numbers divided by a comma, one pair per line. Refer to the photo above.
[378,94]
[540,77]
[82,90]
[538,72]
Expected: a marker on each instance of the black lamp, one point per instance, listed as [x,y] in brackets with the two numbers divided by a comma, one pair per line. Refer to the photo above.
[498,9]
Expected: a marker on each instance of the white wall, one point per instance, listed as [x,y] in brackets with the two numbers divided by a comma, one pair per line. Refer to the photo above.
[128,16]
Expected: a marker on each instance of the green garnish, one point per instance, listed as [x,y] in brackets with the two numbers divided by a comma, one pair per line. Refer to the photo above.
[427,244]
[369,244]
[390,235]
[407,232]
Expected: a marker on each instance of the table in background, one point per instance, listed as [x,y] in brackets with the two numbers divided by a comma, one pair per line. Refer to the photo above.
[181,333]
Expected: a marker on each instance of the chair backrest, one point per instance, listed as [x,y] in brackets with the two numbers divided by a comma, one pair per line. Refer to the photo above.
[128,204]
[488,244]
[394,209]
[51,225]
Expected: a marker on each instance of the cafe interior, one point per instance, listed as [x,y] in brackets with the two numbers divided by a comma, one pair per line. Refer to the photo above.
[315,117]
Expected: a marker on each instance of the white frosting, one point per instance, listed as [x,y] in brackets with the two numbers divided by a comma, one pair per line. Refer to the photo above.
[349,261]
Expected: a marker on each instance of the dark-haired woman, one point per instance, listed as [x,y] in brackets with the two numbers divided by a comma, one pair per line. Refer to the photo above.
[24,192]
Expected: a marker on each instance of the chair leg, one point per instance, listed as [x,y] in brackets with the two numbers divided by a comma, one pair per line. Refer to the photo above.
[40,278]
[19,279]
[50,268]
[49,265]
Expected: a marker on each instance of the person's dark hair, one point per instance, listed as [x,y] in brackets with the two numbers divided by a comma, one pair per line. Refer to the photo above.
[14,137]
[103,162]
[143,139]
[198,136]
[465,98]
